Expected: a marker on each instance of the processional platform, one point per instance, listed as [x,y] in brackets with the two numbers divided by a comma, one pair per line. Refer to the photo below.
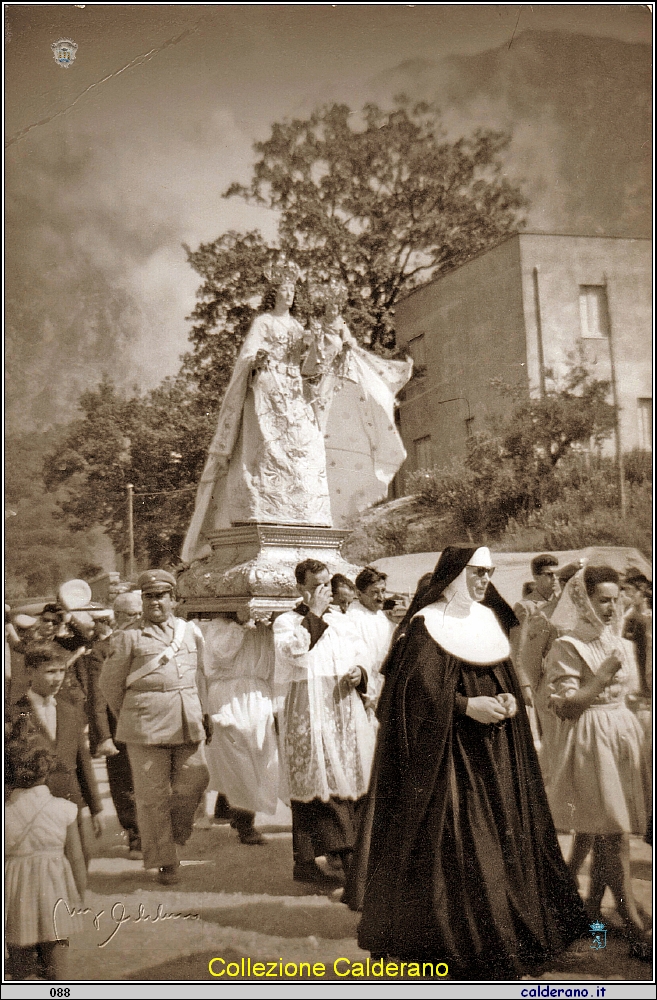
[249,575]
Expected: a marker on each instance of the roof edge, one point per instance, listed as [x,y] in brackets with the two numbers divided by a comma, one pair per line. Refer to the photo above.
[519,233]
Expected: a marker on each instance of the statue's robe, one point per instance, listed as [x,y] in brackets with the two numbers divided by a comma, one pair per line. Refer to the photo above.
[273,460]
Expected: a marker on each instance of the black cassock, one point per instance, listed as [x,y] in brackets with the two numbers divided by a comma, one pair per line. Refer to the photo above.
[464,863]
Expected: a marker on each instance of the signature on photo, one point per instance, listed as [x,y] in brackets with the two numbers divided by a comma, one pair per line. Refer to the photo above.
[117,916]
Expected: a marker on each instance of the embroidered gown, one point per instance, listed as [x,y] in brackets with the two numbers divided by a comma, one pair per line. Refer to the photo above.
[267,461]
[293,447]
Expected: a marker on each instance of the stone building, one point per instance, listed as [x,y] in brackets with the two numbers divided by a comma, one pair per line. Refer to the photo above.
[515,313]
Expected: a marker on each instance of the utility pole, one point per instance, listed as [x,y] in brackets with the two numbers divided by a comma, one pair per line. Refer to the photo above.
[617,429]
[131,536]
[539,333]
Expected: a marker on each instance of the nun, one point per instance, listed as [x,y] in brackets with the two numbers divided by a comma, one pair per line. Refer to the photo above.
[464,863]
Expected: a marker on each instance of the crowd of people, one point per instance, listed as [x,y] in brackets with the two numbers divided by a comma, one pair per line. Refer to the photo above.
[429,754]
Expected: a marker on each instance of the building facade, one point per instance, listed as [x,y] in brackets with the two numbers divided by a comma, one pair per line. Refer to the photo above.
[528,307]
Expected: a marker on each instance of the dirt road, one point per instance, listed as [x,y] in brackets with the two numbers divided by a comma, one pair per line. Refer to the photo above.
[236,902]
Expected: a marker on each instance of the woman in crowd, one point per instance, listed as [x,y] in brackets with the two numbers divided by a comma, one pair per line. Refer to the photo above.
[598,778]
[465,866]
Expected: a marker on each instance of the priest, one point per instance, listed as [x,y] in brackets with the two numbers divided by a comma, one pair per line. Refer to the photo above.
[326,741]
[373,628]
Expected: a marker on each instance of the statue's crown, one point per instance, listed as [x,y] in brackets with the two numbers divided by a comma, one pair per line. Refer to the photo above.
[333,290]
[282,269]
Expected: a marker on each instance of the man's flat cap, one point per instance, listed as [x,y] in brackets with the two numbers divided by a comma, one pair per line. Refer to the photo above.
[25,621]
[74,595]
[128,603]
[156,580]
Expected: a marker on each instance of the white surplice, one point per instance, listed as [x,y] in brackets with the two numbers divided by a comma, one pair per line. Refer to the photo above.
[327,743]
[243,755]
[375,631]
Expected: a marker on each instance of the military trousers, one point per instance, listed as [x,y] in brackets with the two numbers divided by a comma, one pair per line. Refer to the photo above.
[169,782]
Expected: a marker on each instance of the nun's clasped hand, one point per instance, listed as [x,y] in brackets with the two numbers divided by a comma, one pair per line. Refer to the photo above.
[508,703]
[486,709]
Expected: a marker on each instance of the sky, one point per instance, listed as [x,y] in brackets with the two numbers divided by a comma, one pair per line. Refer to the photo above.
[115,162]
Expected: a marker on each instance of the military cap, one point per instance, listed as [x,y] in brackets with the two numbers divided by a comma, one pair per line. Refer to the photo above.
[154,580]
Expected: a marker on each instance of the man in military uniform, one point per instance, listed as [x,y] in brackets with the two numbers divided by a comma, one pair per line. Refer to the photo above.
[151,681]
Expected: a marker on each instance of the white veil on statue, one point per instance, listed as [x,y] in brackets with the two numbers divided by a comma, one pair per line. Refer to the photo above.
[363,447]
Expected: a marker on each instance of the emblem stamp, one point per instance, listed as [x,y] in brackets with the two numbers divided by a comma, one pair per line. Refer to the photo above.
[64,52]
[599,933]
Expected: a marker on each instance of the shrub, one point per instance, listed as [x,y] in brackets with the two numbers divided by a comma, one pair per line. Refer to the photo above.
[638,466]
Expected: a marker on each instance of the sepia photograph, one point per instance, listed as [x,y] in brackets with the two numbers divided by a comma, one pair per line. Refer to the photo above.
[328,497]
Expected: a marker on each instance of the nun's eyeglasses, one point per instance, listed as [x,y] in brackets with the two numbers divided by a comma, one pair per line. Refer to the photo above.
[482,571]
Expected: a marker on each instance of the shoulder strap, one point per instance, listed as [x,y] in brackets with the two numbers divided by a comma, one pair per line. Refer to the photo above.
[30,824]
[164,657]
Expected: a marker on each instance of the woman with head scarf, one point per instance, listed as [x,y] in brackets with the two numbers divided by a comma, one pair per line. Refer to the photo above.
[464,863]
[598,778]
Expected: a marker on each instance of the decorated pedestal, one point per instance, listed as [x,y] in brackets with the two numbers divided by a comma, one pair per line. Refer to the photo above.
[250,573]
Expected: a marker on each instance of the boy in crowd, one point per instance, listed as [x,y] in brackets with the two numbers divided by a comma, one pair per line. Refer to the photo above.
[61,727]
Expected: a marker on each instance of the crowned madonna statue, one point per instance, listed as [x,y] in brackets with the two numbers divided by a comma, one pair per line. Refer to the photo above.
[306,438]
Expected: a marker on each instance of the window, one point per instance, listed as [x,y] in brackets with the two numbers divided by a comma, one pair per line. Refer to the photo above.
[593,311]
[417,350]
[423,453]
[645,424]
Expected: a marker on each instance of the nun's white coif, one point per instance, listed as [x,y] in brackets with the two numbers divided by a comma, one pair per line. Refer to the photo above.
[461,625]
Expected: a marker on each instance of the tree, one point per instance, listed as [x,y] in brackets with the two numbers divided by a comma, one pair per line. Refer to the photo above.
[232,269]
[157,442]
[385,204]
[40,550]
[528,463]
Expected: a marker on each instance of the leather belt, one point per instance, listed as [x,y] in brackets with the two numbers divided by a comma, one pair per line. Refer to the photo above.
[161,690]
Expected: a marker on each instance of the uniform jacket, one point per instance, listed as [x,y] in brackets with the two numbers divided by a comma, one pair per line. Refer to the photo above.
[164,706]
[533,639]
[73,778]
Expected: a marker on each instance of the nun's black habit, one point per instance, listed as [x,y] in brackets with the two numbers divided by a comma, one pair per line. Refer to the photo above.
[464,863]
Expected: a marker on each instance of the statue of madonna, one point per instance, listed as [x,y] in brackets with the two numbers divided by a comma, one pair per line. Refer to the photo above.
[276,436]
[266,462]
